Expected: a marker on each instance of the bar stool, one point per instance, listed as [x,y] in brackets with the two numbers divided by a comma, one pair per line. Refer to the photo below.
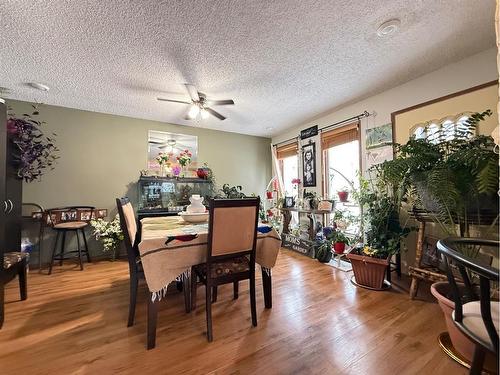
[69,219]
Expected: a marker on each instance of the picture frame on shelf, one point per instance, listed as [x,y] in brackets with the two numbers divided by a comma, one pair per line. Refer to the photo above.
[289,202]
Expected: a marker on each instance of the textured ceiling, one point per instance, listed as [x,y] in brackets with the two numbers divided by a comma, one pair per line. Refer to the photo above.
[282,62]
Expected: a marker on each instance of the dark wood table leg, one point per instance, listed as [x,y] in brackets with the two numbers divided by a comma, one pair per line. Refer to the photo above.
[267,286]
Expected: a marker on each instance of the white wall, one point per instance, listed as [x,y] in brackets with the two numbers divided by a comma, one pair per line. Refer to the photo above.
[472,71]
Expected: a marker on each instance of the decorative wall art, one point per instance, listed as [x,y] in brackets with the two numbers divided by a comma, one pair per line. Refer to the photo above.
[378,155]
[379,137]
[309,165]
[168,147]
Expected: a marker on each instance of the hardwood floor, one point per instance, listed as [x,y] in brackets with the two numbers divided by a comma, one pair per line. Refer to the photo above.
[75,323]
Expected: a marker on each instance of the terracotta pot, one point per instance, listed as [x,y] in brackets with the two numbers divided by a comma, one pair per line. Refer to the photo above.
[369,271]
[339,247]
[460,342]
[343,196]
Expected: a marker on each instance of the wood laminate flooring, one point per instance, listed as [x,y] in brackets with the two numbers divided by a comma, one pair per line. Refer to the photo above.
[74,322]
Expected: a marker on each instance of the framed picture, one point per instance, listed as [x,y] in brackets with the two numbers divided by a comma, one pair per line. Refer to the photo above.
[309,165]
[379,137]
[289,202]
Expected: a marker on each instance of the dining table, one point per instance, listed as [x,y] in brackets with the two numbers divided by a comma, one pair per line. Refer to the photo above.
[169,247]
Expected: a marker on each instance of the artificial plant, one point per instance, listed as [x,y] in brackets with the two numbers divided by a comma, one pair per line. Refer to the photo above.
[33,152]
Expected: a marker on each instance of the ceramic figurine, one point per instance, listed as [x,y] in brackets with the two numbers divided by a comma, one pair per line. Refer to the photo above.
[196,205]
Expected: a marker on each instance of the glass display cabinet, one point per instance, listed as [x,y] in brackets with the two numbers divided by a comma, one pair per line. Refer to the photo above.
[165,196]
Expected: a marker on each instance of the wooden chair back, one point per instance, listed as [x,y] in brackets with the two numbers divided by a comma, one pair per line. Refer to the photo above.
[232,228]
[128,225]
[454,259]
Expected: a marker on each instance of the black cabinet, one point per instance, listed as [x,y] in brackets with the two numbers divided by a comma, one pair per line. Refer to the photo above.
[10,192]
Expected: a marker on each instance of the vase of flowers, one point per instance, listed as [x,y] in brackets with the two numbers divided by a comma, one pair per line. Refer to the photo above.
[109,234]
[184,160]
[164,160]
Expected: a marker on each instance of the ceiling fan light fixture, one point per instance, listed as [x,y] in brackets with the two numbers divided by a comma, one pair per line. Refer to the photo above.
[193,111]
[204,114]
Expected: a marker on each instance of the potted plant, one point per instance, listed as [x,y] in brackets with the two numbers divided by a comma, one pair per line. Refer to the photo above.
[340,240]
[109,233]
[323,250]
[343,195]
[383,233]
[455,182]
[311,197]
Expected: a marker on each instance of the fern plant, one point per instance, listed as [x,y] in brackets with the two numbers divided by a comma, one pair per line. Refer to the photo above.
[454,180]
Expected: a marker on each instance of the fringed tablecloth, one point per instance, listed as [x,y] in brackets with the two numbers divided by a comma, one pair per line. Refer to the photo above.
[169,247]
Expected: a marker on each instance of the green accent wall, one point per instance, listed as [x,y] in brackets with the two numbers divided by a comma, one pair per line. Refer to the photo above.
[101,156]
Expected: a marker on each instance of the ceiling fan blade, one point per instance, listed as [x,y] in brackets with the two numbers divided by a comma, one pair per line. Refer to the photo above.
[156,143]
[193,93]
[214,113]
[173,101]
[221,102]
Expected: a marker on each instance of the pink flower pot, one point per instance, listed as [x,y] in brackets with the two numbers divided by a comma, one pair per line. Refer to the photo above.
[459,340]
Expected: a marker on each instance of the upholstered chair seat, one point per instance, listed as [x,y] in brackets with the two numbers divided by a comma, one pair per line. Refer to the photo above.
[71,225]
[225,267]
[472,320]
[13,258]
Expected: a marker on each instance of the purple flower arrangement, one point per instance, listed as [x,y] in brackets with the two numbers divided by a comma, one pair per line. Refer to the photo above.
[34,152]
[176,170]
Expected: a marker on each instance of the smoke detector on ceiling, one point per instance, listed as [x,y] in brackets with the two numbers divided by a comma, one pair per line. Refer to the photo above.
[388,28]
[39,86]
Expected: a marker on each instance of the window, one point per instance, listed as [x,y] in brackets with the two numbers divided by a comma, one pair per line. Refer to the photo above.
[444,129]
[289,164]
[341,155]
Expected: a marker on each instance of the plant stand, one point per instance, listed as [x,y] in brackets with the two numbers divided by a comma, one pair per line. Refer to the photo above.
[447,347]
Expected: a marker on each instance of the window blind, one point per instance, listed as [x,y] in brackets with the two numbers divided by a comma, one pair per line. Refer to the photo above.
[286,151]
[338,136]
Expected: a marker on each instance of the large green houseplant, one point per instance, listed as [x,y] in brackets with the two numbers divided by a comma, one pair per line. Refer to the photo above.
[453,179]
[381,204]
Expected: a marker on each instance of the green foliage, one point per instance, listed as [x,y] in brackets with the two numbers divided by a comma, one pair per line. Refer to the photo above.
[381,205]
[231,192]
[449,178]
[323,250]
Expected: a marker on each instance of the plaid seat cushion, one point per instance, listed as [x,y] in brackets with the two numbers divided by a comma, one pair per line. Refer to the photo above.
[226,267]
[12,258]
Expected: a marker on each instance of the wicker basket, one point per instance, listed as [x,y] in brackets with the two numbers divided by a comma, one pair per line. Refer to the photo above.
[369,271]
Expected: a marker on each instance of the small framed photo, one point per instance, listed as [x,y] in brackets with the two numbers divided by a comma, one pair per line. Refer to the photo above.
[289,202]
[102,213]
[85,215]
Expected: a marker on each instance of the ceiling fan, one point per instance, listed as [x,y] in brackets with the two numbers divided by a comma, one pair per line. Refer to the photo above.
[199,105]
[172,143]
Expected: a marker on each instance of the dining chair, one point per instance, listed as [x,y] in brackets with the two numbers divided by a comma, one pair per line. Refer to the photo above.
[232,237]
[475,314]
[14,264]
[131,234]
[70,219]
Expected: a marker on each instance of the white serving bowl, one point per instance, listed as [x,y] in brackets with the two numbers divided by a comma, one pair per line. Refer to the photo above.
[194,217]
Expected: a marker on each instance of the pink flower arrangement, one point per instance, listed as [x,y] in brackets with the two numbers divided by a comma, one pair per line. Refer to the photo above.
[296,181]
[184,158]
